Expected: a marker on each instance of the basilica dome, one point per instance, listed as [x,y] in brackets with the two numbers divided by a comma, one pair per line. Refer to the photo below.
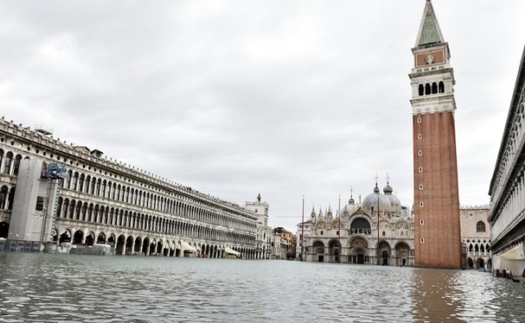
[395,204]
[375,199]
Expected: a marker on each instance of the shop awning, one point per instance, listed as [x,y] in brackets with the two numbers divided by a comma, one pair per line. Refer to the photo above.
[233,252]
[186,246]
[516,253]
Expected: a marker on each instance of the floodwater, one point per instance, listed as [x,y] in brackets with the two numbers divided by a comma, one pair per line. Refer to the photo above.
[72,288]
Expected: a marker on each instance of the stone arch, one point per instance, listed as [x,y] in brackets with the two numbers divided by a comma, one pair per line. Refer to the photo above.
[334,250]
[4,229]
[360,225]
[384,252]
[358,250]
[3,197]
[145,246]
[7,162]
[152,247]
[101,238]
[121,244]
[16,164]
[318,250]
[112,240]
[90,238]
[480,263]
[129,245]
[78,237]
[138,245]
[470,263]
[402,254]
[65,236]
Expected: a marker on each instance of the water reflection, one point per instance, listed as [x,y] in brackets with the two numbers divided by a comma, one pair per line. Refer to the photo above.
[432,296]
[68,288]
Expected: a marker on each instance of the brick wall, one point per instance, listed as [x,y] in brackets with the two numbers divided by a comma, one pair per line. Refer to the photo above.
[435,152]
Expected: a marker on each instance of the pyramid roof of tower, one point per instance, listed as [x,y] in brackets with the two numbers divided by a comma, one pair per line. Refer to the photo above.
[429,31]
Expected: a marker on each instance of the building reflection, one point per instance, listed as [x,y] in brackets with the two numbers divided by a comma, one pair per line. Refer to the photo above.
[435,296]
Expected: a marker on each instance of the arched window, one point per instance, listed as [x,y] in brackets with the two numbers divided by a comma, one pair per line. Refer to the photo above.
[16,164]
[74,182]
[421,89]
[87,184]
[93,184]
[441,87]
[81,183]
[97,192]
[10,199]
[69,179]
[3,196]
[434,88]
[104,189]
[480,226]
[7,162]
[427,89]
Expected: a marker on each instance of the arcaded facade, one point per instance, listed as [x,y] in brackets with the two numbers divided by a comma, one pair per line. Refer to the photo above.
[507,187]
[475,235]
[107,202]
[378,231]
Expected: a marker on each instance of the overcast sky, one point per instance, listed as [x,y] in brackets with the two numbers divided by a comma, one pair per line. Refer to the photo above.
[282,98]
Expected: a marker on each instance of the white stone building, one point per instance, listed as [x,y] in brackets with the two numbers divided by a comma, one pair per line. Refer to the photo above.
[507,187]
[378,230]
[102,201]
[264,232]
[475,235]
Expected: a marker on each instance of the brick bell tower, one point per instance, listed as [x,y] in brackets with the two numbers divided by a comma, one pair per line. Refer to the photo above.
[437,240]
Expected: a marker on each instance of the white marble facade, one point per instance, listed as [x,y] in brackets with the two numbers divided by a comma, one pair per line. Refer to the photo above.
[105,201]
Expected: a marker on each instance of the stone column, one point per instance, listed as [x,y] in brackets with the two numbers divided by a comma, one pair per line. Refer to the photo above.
[132,251]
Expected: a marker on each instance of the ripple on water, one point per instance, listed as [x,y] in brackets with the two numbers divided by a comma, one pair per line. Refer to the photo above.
[60,288]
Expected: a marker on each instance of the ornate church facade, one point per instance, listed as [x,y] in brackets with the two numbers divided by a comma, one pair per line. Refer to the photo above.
[377,230]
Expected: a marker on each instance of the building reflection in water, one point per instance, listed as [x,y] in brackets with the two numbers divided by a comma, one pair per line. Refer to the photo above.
[436,299]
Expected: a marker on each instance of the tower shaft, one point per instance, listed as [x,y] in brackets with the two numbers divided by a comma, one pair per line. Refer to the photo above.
[437,239]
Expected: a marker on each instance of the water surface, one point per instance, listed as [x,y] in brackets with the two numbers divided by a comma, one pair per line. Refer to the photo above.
[69,288]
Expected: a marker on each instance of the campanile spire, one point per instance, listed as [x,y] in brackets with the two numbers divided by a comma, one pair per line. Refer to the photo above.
[429,31]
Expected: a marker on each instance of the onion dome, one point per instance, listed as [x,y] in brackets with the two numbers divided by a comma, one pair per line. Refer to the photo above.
[375,200]
[387,189]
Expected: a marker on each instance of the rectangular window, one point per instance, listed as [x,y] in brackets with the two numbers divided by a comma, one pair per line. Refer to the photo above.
[39,203]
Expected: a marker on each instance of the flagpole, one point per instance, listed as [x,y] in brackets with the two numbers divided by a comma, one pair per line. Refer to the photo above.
[302,233]
[378,193]
[339,230]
